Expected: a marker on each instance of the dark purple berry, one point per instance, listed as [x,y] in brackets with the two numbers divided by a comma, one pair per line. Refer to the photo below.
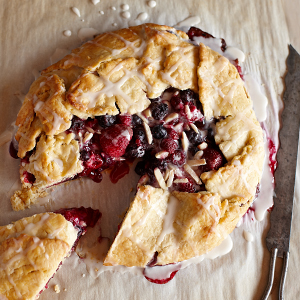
[194,137]
[13,151]
[136,120]
[106,120]
[140,168]
[188,96]
[84,155]
[159,111]
[139,133]
[159,132]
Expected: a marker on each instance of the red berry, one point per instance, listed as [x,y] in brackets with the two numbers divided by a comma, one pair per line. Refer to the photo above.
[114,140]
[214,159]
[188,187]
[172,134]
[125,119]
[94,162]
[177,158]
[28,177]
[169,145]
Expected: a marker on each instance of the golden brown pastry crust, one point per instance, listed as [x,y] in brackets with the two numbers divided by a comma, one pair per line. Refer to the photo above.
[31,250]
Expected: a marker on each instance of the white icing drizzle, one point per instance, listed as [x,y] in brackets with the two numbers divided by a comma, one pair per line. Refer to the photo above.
[265,197]
[67,33]
[151,3]
[125,14]
[95,1]
[124,7]
[76,11]
[260,101]
[207,206]
[248,236]
[169,219]
[188,22]
[143,16]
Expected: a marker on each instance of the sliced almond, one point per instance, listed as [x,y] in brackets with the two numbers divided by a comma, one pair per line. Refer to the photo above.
[196,162]
[148,113]
[161,154]
[194,127]
[189,170]
[198,155]
[188,112]
[185,142]
[202,146]
[171,117]
[148,132]
[160,178]
[87,137]
[171,178]
[182,180]
[167,174]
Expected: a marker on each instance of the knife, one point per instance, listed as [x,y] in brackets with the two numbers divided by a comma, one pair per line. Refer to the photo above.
[278,237]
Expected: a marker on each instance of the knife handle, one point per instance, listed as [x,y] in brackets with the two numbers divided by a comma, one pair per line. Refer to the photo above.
[283,274]
[268,289]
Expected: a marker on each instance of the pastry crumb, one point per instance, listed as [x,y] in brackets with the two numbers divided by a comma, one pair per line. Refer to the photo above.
[83,275]
[65,289]
[56,289]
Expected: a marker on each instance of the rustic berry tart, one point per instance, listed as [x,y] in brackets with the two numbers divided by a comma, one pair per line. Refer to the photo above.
[148,92]
[33,248]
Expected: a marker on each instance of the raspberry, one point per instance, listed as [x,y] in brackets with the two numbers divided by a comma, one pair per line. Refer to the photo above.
[214,159]
[177,158]
[95,161]
[187,187]
[159,132]
[124,119]
[169,145]
[159,110]
[106,120]
[115,139]
[172,134]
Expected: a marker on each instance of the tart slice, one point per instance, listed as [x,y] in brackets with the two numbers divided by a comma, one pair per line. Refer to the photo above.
[32,249]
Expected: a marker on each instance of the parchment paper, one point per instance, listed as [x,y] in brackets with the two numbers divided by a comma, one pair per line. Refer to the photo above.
[31,31]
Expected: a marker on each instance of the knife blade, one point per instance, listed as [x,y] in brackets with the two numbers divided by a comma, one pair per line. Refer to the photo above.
[278,237]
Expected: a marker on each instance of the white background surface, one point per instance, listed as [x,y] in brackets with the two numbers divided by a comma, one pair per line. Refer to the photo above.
[30,31]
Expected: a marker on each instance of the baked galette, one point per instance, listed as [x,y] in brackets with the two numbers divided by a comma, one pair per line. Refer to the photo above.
[32,249]
[147,92]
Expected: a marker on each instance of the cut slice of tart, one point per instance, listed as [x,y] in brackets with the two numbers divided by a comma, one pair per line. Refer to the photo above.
[33,248]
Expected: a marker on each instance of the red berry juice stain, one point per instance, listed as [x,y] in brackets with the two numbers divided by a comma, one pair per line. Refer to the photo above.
[120,169]
[272,156]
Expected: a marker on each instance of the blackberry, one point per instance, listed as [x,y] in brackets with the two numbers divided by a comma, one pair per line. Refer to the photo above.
[159,132]
[106,120]
[194,137]
[140,168]
[136,120]
[187,96]
[139,133]
[160,110]
[84,155]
